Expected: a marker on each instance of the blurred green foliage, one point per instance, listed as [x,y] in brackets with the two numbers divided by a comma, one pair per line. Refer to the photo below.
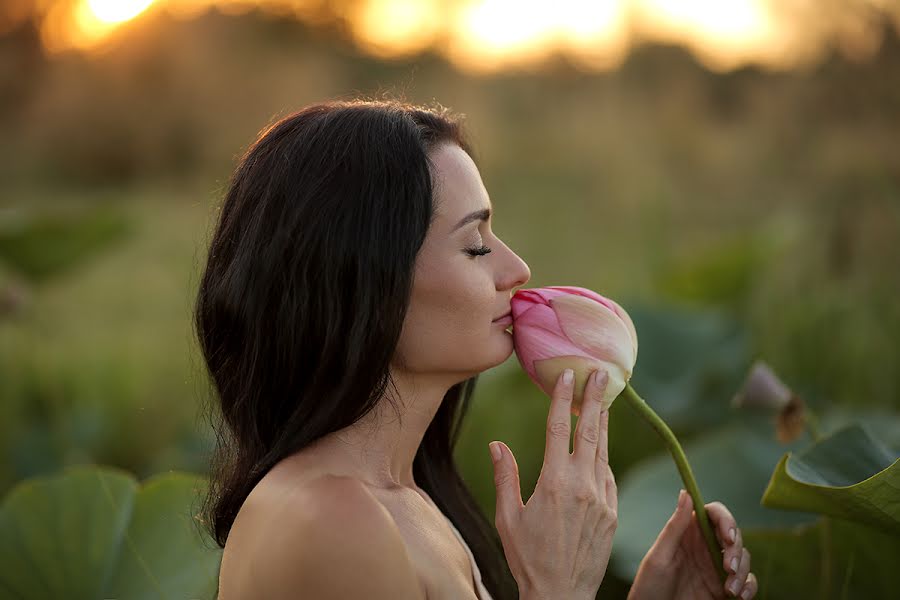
[94,532]
[734,215]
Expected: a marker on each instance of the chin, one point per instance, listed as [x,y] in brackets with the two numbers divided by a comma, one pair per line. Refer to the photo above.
[505,344]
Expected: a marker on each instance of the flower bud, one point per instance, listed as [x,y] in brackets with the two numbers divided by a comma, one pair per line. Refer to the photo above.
[561,327]
[764,390]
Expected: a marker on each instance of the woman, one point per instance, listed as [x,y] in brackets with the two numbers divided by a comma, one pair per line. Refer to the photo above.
[344,314]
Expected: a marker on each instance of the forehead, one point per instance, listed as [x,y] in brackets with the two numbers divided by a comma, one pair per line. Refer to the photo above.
[458,187]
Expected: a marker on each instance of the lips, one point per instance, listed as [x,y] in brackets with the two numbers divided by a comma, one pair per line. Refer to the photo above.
[503,316]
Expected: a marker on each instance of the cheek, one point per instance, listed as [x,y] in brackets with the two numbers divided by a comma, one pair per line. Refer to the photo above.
[461,299]
[448,308]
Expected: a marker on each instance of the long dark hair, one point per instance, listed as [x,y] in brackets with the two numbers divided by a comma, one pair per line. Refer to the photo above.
[302,300]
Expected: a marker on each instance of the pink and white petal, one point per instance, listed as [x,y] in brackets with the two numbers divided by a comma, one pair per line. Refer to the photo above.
[583,292]
[539,315]
[532,343]
[595,329]
[547,372]
[623,314]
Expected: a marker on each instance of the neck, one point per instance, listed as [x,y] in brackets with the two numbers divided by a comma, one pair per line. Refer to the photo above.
[379,449]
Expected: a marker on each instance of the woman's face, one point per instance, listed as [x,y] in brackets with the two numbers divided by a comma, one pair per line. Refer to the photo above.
[456,295]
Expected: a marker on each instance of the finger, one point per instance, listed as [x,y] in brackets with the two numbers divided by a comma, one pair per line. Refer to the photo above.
[750,587]
[559,424]
[724,525]
[612,491]
[588,432]
[724,522]
[602,455]
[509,489]
[669,539]
[734,583]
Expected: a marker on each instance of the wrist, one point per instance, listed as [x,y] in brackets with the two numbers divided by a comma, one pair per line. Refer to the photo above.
[535,594]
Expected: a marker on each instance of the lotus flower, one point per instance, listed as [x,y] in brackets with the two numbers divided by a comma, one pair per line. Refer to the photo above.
[560,327]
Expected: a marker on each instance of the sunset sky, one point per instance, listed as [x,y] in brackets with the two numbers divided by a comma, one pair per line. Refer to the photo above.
[485,35]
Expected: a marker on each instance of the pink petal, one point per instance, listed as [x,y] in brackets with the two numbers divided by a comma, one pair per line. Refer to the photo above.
[539,337]
[586,293]
[519,305]
[531,295]
[540,295]
[596,329]
[629,324]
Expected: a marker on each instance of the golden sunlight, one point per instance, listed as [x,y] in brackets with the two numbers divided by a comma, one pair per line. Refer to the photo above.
[396,27]
[721,34]
[493,33]
[117,11]
[85,24]
[487,35]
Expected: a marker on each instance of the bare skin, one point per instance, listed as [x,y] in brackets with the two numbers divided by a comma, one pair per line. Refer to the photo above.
[349,503]
[448,336]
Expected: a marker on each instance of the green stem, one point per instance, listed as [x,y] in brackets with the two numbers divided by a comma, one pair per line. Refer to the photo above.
[690,484]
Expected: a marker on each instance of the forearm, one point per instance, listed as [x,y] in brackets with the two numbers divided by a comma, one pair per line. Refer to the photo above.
[552,596]
[531,593]
[536,594]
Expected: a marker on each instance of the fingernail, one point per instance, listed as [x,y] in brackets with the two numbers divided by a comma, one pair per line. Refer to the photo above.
[568,376]
[495,451]
[734,587]
[731,535]
[734,565]
[745,594]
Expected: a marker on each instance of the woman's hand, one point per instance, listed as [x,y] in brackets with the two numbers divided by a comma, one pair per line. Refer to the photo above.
[558,545]
[678,564]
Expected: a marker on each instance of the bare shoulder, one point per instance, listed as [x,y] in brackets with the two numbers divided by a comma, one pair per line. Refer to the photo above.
[334,540]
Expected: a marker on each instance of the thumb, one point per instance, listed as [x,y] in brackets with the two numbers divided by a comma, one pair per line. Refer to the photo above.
[506,480]
[670,536]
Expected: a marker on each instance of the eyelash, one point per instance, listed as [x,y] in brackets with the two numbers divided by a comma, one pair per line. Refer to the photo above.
[478,251]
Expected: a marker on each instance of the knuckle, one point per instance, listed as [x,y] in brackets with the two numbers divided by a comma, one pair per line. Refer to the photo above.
[558,430]
[587,494]
[590,433]
[612,485]
[503,478]
[610,515]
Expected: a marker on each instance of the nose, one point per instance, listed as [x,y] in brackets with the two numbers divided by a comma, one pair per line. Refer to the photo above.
[515,273]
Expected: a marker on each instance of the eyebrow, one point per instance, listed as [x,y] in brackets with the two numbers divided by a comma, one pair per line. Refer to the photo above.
[478,215]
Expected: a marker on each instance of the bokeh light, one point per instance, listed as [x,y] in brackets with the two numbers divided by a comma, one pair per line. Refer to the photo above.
[488,35]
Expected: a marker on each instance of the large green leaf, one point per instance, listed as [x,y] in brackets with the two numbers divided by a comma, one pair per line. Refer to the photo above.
[94,532]
[731,465]
[849,475]
[689,364]
[831,559]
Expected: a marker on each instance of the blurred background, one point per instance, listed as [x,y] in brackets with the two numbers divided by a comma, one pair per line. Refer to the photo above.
[728,171]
